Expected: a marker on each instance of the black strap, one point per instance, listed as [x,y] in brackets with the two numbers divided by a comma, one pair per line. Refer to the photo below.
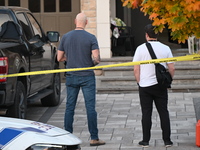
[153,56]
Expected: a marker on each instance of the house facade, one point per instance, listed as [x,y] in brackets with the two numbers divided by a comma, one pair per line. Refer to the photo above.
[59,15]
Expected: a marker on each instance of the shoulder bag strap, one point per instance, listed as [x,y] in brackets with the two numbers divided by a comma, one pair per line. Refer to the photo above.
[153,56]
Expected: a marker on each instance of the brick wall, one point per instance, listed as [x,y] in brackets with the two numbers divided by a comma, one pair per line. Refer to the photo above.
[89,8]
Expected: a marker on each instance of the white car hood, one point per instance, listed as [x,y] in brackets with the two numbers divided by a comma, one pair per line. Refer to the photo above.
[28,125]
[21,133]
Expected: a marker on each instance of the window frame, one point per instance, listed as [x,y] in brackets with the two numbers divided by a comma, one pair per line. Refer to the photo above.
[28,24]
[41,31]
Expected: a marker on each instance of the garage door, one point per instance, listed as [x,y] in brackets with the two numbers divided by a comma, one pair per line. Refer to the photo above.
[57,15]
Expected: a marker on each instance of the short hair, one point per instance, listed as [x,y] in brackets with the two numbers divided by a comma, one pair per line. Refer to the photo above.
[149,29]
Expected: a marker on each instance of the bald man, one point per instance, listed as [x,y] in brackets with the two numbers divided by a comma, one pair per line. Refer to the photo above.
[80,49]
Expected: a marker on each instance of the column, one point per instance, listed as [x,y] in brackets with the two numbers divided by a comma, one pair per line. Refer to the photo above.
[103,28]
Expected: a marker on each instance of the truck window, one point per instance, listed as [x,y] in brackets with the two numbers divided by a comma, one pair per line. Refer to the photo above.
[26,28]
[4,18]
[35,25]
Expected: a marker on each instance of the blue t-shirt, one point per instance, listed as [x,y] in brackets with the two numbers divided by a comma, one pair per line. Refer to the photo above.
[78,46]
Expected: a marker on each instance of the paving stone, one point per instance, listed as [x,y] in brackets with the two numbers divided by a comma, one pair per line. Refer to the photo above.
[119,122]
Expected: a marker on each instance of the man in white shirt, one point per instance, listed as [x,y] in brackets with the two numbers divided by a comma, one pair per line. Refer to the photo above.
[149,90]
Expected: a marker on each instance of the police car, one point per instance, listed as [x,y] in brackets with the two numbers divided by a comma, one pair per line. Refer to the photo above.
[21,134]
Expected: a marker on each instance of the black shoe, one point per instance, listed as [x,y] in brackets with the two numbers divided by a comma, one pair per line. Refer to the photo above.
[168,143]
[144,144]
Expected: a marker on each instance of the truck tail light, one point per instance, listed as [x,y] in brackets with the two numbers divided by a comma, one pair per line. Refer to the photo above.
[3,68]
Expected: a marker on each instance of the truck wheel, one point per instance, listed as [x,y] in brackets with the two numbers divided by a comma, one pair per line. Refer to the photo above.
[18,109]
[54,98]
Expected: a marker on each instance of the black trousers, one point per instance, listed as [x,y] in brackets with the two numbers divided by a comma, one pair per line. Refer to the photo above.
[160,98]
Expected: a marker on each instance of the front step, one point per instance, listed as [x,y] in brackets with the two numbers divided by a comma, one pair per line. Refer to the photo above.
[128,84]
[122,80]
[130,80]
[134,89]
[181,68]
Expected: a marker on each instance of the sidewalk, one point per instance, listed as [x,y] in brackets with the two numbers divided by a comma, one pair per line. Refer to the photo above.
[119,122]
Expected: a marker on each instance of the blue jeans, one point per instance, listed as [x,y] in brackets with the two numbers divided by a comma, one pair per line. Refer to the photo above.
[88,86]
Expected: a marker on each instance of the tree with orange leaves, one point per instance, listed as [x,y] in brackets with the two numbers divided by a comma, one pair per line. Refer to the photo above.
[181,16]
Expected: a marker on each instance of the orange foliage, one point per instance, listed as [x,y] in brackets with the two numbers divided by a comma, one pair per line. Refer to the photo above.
[181,16]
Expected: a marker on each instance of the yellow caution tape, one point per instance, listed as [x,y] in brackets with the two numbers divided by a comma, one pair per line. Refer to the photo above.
[174,59]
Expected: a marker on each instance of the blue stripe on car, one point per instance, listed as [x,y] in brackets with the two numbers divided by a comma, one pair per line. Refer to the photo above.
[7,135]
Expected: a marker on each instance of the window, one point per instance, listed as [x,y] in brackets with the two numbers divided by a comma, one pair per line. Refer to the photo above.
[34,5]
[26,28]
[13,2]
[65,6]
[2,2]
[35,25]
[49,6]
[4,18]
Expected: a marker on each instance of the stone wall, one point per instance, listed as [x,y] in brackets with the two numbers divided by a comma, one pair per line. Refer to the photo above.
[98,13]
[89,8]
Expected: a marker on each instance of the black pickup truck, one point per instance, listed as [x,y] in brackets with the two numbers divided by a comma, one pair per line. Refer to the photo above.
[24,47]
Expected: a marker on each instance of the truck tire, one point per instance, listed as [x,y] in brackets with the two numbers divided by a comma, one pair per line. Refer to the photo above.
[54,98]
[19,108]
